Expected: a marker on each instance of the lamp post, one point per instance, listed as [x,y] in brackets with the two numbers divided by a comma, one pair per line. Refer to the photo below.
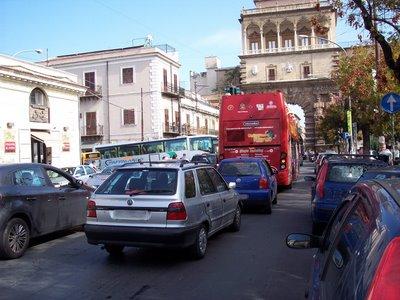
[350,112]
[38,51]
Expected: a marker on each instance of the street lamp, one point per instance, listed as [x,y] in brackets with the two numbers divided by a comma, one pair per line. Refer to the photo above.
[38,51]
[350,113]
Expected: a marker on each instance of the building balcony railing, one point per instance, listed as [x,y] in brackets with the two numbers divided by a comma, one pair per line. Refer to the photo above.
[92,131]
[288,49]
[171,128]
[172,89]
[281,8]
[95,92]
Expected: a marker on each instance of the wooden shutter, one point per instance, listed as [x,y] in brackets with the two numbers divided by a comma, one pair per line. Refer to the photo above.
[127,75]
[165,78]
[129,116]
[90,80]
[91,123]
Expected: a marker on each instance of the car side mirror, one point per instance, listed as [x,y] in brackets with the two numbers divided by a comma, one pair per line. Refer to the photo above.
[309,178]
[302,241]
[274,170]
[232,185]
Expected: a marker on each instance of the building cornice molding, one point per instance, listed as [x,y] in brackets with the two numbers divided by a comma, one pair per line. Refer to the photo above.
[12,74]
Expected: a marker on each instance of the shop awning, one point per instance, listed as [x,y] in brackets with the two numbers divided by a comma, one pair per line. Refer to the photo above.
[41,136]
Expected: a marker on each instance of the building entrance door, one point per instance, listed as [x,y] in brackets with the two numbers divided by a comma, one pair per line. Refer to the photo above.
[38,150]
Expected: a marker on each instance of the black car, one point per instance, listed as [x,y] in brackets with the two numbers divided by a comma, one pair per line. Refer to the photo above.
[358,257]
[37,199]
[206,158]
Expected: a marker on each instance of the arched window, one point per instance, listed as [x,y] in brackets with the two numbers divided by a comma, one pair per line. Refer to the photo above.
[39,110]
[38,97]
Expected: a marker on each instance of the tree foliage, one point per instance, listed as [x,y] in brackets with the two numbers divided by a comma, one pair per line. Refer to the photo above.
[381,18]
[357,83]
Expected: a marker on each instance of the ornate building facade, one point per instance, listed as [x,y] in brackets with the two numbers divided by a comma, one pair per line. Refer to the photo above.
[290,45]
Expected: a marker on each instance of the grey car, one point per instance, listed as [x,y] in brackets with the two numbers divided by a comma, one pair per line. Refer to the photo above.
[162,205]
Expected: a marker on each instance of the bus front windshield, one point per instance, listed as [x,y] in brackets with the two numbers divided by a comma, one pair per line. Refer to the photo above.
[207,144]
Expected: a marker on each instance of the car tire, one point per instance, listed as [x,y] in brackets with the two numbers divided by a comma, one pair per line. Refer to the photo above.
[14,239]
[275,201]
[237,220]
[267,209]
[199,248]
[114,250]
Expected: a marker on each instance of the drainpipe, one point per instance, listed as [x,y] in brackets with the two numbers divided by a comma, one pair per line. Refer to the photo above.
[108,106]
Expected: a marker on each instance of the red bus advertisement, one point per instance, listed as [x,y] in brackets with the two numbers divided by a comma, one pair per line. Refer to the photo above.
[258,125]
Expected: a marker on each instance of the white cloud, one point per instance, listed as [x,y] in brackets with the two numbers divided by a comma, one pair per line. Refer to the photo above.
[221,38]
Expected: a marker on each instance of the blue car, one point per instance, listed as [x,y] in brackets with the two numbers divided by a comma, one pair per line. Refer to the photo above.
[358,256]
[335,178]
[381,173]
[255,179]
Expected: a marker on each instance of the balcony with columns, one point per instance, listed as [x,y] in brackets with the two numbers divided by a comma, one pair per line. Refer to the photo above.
[286,36]
[286,8]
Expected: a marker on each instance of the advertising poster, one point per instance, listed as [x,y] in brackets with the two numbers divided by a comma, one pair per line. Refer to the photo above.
[9,141]
[65,143]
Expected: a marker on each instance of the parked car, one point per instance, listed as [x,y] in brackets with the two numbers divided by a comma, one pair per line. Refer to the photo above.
[381,173]
[334,180]
[37,199]
[96,179]
[320,159]
[255,179]
[169,204]
[205,158]
[358,256]
[81,172]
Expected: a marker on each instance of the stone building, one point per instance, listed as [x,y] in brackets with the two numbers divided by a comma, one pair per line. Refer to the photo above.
[134,94]
[39,114]
[283,50]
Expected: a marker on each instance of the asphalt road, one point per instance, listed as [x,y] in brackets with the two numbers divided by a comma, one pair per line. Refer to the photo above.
[251,264]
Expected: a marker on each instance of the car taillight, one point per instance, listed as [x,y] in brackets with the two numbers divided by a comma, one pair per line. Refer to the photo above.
[386,282]
[283,160]
[176,212]
[263,183]
[319,188]
[91,209]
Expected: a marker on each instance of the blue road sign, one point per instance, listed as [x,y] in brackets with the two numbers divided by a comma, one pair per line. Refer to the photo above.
[391,103]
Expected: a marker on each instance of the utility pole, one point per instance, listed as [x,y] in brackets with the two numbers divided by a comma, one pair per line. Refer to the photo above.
[141,114]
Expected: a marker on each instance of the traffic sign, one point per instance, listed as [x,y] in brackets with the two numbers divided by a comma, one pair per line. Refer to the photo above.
[391,103]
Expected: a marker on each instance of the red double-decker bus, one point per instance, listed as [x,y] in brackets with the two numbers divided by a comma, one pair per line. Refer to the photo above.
[258,125]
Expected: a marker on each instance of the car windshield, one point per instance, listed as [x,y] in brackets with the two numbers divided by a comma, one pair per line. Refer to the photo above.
[140,182]
[240,169]
[345,173]
[205,159]
[379,175]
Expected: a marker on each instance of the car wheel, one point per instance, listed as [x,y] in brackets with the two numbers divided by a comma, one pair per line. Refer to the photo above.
[237,220]
[114,249]
[267,209]
[14,239]
[199,247]
[275,201]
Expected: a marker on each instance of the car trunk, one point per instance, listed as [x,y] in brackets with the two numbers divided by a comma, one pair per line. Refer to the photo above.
[138,210]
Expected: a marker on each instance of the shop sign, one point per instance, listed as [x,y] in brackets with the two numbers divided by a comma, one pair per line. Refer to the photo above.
[9,141]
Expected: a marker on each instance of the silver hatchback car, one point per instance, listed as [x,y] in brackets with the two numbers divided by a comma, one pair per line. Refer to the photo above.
[163,204]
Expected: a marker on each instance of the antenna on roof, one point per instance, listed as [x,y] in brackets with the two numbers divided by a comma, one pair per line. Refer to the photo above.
[149,41]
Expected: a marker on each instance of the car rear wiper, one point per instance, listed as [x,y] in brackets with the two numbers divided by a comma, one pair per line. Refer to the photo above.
[135,192]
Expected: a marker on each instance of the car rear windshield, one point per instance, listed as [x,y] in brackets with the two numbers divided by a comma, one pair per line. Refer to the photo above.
[345,173]
[140,182]
[378,175]
[240,169]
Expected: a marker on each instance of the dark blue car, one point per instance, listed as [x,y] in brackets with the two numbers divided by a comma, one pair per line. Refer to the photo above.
[358,256]
[381,173]
[335,178]
[254,178]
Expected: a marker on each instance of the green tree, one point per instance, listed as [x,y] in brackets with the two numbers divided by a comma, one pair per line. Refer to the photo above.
[381,18]
[355,79]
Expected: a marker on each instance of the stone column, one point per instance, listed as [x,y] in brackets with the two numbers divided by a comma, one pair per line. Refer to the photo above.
[296,40]
[313,40]
[262,41]
[245,49]
[278,34]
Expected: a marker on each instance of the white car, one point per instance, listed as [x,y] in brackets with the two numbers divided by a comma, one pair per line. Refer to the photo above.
[81,172]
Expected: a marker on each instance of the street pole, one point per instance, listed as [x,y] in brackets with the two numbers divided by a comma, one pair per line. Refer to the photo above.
[393,137]
[141,114]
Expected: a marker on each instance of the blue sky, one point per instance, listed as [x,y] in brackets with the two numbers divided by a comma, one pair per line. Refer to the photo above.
[195,28]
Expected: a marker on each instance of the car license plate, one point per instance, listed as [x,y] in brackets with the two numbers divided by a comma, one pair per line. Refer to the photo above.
[133,215]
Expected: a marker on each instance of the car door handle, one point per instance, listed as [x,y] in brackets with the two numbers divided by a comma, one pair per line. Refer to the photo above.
[31,198]
[61,198]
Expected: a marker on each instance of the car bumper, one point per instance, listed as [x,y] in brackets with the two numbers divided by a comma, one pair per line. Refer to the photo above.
[255,198]
[140,236]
